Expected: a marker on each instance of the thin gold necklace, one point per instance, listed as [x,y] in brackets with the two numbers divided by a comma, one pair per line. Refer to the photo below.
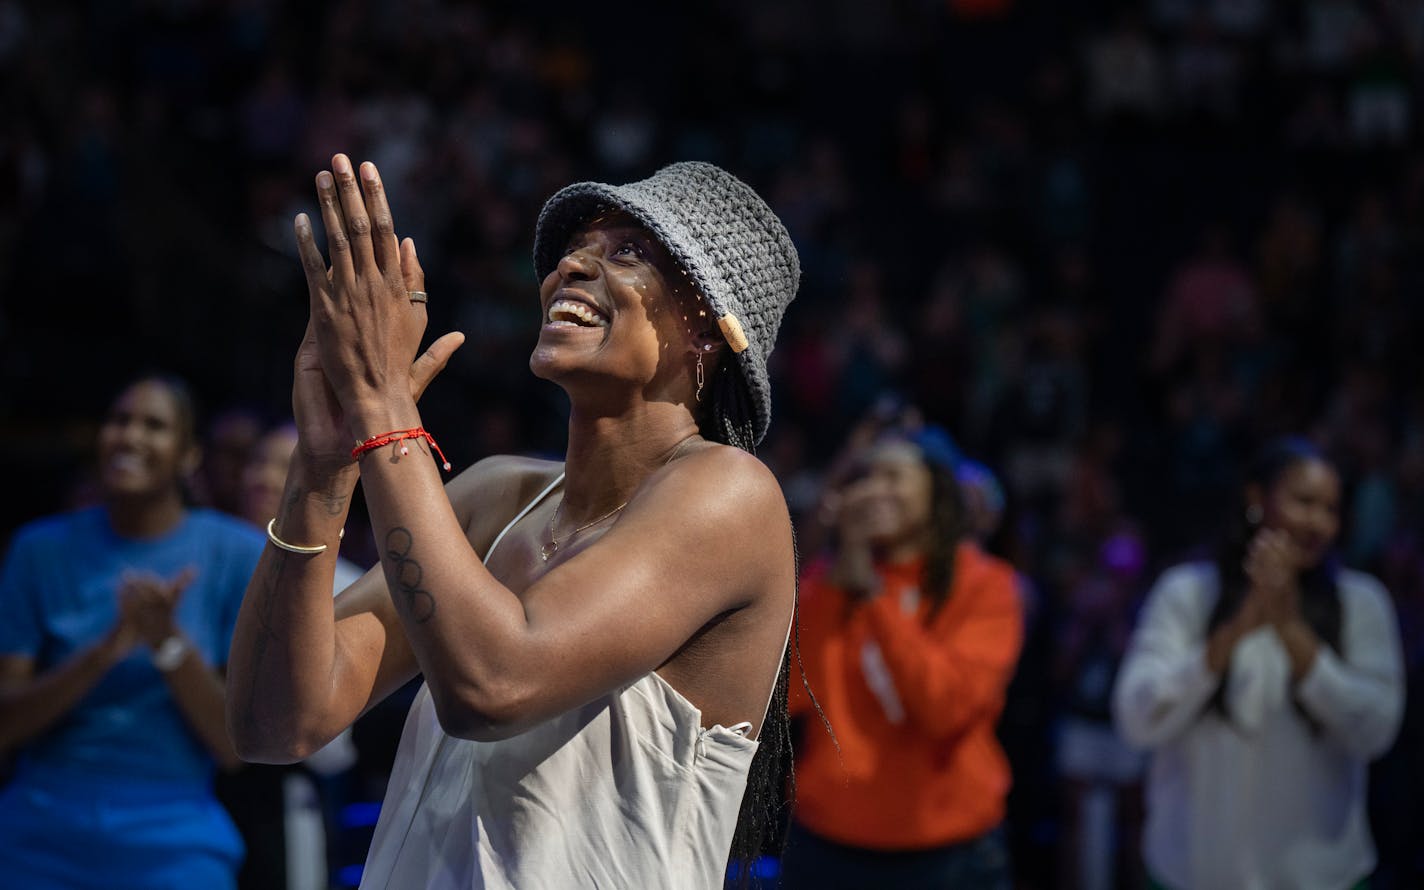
[549,549]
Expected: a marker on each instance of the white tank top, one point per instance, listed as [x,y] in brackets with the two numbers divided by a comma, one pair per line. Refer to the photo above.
[626,791]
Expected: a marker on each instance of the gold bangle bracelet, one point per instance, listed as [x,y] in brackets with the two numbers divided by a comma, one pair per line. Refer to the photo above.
[296,548]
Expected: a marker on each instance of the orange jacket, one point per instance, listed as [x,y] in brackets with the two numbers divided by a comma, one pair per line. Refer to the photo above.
[913,706]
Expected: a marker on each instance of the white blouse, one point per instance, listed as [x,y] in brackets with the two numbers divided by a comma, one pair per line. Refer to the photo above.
[1264,801]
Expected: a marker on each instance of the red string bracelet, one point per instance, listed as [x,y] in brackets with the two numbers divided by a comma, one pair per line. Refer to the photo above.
[415,432]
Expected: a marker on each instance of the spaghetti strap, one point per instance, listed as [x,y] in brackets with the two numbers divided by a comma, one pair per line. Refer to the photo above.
[523,513]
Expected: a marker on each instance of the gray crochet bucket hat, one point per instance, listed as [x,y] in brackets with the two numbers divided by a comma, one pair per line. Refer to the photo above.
[722,234]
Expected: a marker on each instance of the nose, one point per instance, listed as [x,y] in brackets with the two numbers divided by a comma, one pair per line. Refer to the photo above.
[578,265]
[126,430]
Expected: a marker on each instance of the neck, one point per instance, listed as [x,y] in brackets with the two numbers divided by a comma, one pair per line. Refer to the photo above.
[610,456]
[145,516]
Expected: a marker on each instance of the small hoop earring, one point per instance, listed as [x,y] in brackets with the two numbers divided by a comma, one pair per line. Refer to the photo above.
[700,378]
[1254,514]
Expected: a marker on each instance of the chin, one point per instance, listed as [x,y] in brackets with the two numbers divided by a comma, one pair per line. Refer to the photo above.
[122,490]
[544,363]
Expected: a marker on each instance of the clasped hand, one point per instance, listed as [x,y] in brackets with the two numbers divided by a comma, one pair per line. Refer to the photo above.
[1272,565]
[356,371]
[146,607]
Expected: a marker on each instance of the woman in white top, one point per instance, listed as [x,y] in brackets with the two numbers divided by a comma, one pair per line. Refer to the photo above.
[599,638]
[1264,684]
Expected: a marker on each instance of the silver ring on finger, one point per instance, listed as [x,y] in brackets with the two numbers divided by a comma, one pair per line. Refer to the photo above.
[418,296]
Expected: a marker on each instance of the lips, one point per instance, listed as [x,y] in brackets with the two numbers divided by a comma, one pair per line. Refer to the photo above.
[571,308]
[126,463]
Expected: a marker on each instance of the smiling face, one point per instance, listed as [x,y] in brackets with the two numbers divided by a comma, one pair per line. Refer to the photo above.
[899,495]
[617,306]
[1304,502]
[146,444]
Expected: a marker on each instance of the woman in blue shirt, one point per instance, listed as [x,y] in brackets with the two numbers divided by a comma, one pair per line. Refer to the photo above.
[117,622]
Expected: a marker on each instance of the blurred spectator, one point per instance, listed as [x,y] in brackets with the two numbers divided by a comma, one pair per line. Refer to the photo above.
[1209,301]
[1264,685]
[119,620]
[909,636]
[227,446]
[1205,71]
[1124,71]
[867,349]
[1101,775]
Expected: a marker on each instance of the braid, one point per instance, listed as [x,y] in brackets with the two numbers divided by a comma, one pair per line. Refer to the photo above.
[771,782]
[731,416]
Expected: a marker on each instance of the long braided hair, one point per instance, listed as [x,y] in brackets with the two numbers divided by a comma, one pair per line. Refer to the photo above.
[1319,588]
[771,781]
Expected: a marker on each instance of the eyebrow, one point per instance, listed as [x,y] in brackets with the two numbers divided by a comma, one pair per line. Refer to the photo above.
[623,232]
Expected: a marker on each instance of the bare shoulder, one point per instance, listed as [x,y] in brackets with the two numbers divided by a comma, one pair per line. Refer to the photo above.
[727,502]
[488,494]
[723,482]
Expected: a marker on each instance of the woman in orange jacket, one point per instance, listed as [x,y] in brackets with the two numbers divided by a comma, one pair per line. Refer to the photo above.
[909,636]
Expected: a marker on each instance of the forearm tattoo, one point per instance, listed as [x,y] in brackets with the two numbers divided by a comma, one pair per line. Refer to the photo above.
[405,575]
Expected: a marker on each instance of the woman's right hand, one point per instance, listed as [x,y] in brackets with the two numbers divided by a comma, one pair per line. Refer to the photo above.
[324,438]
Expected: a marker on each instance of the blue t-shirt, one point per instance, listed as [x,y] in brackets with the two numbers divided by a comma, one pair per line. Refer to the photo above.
[59,594]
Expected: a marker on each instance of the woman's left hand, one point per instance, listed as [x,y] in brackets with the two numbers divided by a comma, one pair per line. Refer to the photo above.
[368,329]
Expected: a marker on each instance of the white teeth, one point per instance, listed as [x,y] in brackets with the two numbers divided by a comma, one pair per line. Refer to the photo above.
[126,462]
[575,312]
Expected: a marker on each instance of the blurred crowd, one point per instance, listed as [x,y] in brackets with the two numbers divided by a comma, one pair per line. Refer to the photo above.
[1112,247]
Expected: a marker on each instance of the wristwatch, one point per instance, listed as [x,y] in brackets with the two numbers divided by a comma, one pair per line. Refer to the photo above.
[170,653]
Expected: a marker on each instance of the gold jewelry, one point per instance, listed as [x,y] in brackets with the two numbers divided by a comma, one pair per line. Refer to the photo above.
[296,548]
[418,296]
[552,547]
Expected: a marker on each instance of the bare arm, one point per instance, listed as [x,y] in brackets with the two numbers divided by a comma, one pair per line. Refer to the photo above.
[302,666]
[197,688]
[31,703]
[699,539]
[199,692]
